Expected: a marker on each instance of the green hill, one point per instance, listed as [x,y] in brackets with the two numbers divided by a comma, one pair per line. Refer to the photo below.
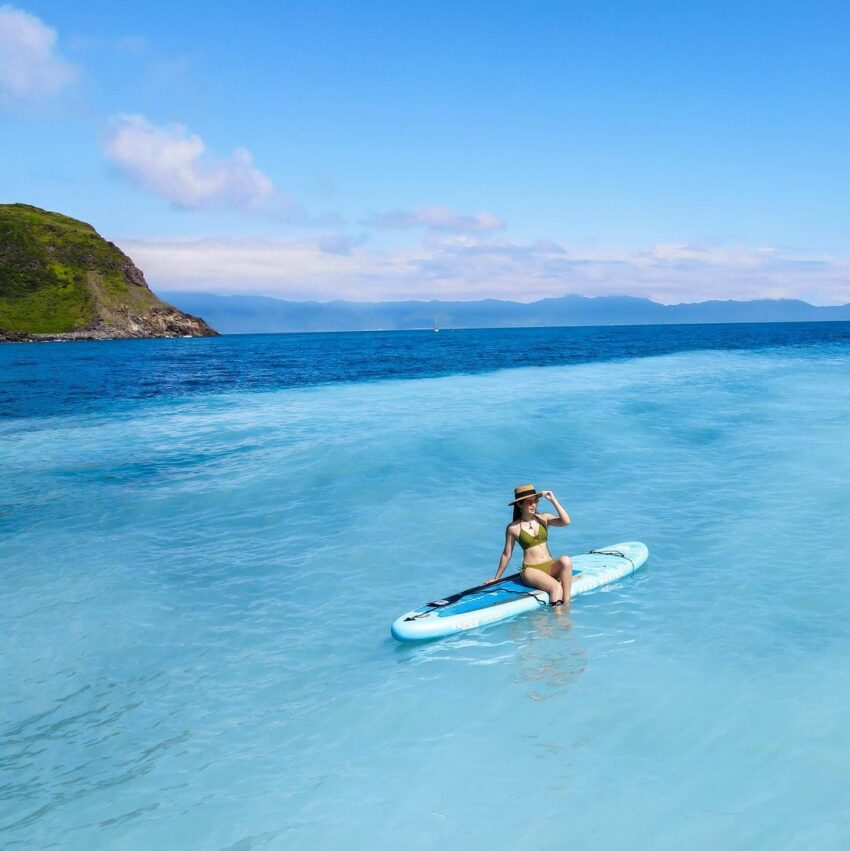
[60,278]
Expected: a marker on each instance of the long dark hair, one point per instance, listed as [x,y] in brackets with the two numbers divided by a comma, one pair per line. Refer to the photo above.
[518,512]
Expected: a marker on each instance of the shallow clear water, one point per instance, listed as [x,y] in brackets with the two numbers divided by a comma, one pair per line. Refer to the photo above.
[197,590]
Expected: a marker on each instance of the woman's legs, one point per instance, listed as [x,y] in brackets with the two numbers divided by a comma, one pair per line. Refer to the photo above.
[543,582]
[562,570]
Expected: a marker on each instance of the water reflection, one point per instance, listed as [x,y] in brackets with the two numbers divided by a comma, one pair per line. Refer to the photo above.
[548,655]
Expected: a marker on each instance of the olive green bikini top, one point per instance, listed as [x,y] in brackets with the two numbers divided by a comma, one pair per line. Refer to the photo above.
[527,540]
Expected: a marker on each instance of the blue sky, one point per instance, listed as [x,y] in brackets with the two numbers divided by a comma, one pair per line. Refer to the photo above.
[676,151]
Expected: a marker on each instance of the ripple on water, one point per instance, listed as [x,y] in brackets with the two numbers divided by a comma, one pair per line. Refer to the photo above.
[196,598]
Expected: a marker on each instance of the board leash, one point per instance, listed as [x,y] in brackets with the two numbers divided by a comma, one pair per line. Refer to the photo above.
[611,553]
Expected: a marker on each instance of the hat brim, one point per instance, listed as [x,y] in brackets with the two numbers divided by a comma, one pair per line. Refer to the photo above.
[527,496]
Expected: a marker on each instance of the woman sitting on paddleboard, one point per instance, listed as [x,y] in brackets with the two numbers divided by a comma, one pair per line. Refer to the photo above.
[531,530]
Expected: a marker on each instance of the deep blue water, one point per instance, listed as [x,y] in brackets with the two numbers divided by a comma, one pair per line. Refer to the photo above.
[203,544]
[58,378]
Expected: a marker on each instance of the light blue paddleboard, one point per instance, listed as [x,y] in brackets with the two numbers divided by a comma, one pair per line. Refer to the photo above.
[509,597]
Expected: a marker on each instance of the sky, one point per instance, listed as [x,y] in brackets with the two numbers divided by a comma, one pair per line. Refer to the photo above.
[455,150]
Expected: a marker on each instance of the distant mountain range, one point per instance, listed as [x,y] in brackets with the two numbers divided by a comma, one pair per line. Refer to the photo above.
[256,314]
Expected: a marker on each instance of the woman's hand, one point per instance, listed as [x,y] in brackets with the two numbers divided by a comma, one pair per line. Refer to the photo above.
[490,581]
[563,519]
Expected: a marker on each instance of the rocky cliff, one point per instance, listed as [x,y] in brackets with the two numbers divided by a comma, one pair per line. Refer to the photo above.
[60,280]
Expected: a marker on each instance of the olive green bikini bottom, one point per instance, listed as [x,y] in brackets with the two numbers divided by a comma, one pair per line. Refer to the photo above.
[544,566]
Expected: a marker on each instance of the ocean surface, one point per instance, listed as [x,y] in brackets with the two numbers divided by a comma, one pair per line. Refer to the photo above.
[203,544]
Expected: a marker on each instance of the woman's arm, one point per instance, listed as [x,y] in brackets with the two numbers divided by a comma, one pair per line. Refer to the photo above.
[563,519]
[506,556]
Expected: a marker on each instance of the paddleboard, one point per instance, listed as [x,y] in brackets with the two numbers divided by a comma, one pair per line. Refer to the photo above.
[508,598]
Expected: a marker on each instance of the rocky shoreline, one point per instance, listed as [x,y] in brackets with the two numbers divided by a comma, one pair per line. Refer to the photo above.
[160,322]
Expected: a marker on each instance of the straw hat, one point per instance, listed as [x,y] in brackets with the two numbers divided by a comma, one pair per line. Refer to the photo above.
[524,492]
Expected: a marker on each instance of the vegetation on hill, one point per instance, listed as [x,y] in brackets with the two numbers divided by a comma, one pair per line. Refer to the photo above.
[59,276]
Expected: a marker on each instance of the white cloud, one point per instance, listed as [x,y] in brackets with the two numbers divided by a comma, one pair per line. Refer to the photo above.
[299,268]
[442,219]
[171,162]
[30,67]
[466,268]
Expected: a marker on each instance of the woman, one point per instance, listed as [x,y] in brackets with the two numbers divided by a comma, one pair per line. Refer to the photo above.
[531,530]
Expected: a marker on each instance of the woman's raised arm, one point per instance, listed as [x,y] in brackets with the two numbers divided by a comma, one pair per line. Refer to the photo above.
[563,519]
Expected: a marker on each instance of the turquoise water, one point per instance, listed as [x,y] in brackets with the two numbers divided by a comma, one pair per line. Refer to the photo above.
[197,590]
